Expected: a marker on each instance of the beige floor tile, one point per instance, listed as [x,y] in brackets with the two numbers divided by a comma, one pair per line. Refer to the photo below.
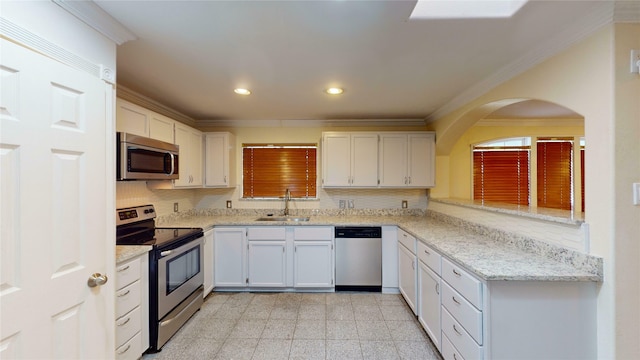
[307,349]
[343,350]
[342,330]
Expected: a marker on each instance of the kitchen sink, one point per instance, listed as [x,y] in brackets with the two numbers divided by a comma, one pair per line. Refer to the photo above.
[282,218]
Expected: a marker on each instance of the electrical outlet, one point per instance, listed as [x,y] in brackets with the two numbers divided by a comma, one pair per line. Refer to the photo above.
[405,204]
[351,206]
[342,204]
[175,207]
[229,204]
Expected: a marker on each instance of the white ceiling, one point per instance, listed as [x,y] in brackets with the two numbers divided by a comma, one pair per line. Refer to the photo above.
[190,55]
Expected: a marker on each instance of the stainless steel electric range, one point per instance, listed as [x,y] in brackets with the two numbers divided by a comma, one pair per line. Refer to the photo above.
[175,269]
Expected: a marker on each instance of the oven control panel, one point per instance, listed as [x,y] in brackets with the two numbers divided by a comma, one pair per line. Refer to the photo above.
[133,214]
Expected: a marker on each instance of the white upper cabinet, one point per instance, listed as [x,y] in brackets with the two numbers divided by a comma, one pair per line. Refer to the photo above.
[407,160]
[161,128]
[220,160]
[132,118]
[190,161]
[350,159]
[137,120]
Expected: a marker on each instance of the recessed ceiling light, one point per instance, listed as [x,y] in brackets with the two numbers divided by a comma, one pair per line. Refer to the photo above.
[241,91]
[334,91]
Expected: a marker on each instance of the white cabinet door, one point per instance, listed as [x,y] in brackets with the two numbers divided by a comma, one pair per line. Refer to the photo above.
[364,160]
[132,118]
[407,159]
[267,264]
[190,161]
[313,264]
[429,302]
[393,160]
[161,128]
[336,160]
[229,257]
[407,276]
[219,160]
[208,262]
[421,160]
[350,159]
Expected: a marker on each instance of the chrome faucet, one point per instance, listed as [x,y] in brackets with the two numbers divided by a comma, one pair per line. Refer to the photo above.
[287,198]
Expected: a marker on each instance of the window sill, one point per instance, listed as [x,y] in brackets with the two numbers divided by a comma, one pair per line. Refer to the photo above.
[553,215]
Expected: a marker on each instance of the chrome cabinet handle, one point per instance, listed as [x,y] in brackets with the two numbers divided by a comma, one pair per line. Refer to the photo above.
[125,350]
[125,322]
[456,273]
[437,288]
[413,264]
[97,279]
[166,253]
[456,330]
[427,252]
[173,166]
[124,268]
[455,300]
[454,356]
[124,293]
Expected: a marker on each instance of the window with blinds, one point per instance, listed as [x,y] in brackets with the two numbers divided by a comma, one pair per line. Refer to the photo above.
[555,173]
[501,174]
[269,170]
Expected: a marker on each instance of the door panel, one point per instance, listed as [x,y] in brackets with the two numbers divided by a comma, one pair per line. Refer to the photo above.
[54,209]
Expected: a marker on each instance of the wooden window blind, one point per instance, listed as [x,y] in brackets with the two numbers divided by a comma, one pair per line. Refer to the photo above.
[269,171]
[555,175]
[501,175]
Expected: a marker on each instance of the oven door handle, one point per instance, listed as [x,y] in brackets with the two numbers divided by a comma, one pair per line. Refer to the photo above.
[166,253]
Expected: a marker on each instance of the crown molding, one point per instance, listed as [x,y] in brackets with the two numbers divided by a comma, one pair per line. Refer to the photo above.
[24,37]
[313,123]
[148,103]
[94,16]
[584,27]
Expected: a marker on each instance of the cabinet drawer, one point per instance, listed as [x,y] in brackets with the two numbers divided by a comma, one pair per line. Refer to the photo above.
[462,310]
[127,326]
[313,233]
[131,350]
[449,352]
[265,233]
[462,282]
[127,272]
[429,257]
[127,298]
[407,240]
[459,337]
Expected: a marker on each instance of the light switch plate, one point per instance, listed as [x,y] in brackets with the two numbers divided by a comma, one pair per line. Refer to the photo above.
[175,207]
[229,204]
[636,193]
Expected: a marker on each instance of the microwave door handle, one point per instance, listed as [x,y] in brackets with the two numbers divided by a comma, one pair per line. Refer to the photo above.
[172,163]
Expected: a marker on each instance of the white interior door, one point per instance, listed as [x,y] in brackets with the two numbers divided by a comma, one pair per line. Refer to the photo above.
[54,204]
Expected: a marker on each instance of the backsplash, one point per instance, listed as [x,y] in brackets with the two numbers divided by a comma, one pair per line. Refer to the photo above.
[132,193]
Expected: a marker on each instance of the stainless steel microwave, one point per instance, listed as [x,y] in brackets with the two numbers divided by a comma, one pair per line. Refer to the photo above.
[142,158]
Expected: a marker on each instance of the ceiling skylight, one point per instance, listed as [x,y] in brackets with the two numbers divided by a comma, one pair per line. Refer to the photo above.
[461,9]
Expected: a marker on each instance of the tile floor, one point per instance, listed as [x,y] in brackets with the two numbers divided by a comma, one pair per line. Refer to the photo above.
[300,326]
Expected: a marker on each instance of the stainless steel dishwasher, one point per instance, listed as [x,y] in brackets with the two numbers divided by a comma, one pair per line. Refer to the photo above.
[358,258]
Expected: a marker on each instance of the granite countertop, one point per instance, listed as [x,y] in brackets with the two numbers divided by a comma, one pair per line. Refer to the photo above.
[126,252]
[487,255]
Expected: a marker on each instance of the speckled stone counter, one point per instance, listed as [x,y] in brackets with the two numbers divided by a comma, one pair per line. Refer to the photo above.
[489,254]
[126,252]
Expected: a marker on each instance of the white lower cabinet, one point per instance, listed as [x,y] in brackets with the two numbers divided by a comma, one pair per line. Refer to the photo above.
[429,285]
[274,257]
[132,309]
[267,264]
[407,269]
[230,254]
[313,257]
[208,262]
